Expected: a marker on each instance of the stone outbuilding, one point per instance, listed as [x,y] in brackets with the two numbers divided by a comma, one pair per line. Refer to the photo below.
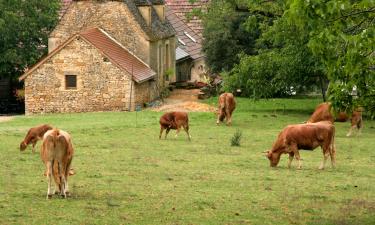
[103,56]
[190,59]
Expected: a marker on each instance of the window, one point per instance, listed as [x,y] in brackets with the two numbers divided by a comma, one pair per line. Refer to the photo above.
[70,81]
[167,62]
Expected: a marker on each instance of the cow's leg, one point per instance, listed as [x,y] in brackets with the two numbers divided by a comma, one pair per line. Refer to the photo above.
[34,143]
[62,179]
[350,131]
[359,127]
[228,117]
[218,118]
[333,154]
[291,156]
[186,128]
[55,172]
[296,154]
[49,180]
[166,132]
[161,131]
[177,131]
[326,153]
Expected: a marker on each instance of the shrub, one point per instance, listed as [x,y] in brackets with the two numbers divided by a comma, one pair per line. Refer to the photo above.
[236,139]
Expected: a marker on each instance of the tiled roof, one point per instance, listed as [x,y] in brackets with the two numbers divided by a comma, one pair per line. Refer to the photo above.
[181,54]
[158,30]
[114,51]
[118,54]
[182,7]
[189,41]
[64,7]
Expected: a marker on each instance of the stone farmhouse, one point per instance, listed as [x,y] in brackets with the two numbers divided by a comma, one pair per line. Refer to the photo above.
[103,56]
[190,59]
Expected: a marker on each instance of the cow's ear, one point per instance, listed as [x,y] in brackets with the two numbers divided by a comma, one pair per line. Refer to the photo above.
[266,152]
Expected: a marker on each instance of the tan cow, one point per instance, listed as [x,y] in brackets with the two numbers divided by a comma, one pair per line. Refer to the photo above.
[304,136]
[227,104]
[356,122]
[57,147]
[322,113]
[174,121]
[33,135]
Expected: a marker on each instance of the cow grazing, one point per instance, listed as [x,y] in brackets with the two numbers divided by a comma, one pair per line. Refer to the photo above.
[356,122]
[322,113]
[33,135]
[304,136]
[57,154]
[341,117]
[227,104]
[174,120]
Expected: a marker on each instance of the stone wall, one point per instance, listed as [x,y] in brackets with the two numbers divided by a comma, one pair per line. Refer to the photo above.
[199,69]
[112,16]
[101,86]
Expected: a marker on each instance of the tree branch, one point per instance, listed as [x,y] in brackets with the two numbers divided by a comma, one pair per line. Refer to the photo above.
[353,14]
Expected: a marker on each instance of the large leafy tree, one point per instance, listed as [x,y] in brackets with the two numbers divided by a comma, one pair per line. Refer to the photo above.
[225,34]
[283,63]
[342,36]
[24,29]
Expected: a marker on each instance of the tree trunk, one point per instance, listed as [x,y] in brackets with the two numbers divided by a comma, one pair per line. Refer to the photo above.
[322,88]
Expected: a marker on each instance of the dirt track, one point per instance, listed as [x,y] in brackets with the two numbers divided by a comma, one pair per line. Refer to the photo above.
[184,101]
[5,118]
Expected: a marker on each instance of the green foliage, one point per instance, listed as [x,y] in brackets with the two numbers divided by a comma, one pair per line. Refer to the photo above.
[342,36]
[235,140]
[226,35]
[282,64]
[24,29]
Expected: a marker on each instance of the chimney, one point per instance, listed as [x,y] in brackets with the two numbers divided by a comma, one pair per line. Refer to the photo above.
[160,10]
[145,10]
[52,44]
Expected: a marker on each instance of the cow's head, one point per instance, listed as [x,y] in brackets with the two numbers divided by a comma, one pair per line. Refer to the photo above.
[273,157]
[23,146]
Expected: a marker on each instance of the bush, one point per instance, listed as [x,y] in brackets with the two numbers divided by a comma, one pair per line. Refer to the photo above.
[236,139]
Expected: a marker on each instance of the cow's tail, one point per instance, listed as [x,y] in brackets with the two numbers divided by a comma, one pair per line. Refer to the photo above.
[55,134]
[332,146]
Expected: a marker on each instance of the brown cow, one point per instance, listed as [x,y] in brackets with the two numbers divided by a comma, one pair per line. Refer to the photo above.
[33,135]
[57,147]
[227,104]
[356,122]
[322,113]
[174,120]
[304,136]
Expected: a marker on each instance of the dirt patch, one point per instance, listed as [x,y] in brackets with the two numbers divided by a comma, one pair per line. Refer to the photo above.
[184,101]
[5,118]
[185,107]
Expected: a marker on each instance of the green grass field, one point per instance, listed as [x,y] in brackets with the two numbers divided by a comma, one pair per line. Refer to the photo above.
[126,175]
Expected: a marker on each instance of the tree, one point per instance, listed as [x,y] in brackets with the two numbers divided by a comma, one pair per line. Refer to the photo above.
[342,36]
[225,34]
[283,63]
[24,28]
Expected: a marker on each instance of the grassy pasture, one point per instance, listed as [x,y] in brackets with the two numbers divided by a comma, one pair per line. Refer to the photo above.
[126,175]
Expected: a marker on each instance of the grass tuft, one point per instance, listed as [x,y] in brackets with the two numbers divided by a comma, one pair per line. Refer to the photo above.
[236,138]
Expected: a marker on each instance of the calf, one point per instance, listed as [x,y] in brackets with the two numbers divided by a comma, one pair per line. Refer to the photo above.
[356,122]
[227,104]
[304,136]
[322,113]
[33,135]
[174,120]
[57,154]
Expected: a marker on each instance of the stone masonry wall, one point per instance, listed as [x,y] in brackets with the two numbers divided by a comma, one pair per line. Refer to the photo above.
[112,16]
[101,86]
